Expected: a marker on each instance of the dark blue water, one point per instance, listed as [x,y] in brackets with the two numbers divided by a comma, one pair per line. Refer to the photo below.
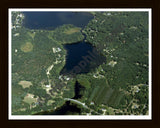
[51,20]
[81,57]
[66,109]
[77,89]
[75,52]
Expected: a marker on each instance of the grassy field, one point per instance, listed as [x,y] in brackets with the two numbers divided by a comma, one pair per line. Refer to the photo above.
[99,97]
[72,30]
[107,94]
[114,98]
[103,94]
[94,92]
[25,84]
[31,34]
[29,98]
[27,47]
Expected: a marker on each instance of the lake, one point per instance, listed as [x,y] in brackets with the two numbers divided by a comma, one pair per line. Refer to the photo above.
[50,20]
[81,57]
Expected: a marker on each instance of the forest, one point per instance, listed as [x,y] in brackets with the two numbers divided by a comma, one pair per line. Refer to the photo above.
[123,38]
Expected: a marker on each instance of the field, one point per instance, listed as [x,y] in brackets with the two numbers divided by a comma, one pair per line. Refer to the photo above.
[103,94]
[31,34]
[27,47]
[72,30]
[114,98]
[29,98]
[25,84]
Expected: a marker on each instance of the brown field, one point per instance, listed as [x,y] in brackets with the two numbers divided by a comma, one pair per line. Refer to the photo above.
[27,47]
[29,98]
[72,30]
[25,84]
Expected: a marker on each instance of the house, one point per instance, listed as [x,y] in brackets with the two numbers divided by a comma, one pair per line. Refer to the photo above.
[47,86]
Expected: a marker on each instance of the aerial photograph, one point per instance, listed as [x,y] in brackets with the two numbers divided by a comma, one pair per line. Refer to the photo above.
[90,63]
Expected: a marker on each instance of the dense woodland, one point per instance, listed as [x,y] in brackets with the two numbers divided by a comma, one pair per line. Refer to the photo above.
[123,38]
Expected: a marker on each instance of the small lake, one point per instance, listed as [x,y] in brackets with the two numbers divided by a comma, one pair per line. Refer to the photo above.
[81,57]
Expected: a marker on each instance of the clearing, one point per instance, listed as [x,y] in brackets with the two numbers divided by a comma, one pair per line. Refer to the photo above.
[32,34]
[29,98]
[72,30]
[25,84]
[27,47]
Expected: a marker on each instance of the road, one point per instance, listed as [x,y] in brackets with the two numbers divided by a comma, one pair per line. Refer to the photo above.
[76,101]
